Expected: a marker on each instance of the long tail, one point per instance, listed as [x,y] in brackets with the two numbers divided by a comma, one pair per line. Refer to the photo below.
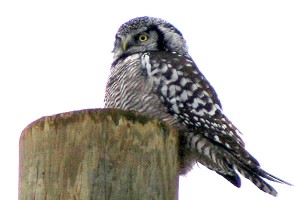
[256,177]
[228,161]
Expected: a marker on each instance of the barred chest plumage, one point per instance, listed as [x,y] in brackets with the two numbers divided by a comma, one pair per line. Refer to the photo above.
[165,85]
[132,86]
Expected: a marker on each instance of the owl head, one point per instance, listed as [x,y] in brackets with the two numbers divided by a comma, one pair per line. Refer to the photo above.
[148,34]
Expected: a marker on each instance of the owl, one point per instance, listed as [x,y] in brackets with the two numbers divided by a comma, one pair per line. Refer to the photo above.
[153,73]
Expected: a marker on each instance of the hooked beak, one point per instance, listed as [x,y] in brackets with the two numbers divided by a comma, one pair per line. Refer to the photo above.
[125,46]
[127,43]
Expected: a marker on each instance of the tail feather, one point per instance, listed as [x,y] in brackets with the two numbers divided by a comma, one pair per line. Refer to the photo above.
[271,177]
[234,179]
[227,162]
[257,181]
[254,172]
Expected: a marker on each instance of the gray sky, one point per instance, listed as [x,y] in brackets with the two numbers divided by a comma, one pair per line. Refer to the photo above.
[55,57]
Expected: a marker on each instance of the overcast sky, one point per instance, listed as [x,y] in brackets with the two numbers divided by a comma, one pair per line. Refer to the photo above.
[55,57]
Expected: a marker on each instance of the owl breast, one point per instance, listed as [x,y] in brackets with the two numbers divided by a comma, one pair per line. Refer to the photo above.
[130,88]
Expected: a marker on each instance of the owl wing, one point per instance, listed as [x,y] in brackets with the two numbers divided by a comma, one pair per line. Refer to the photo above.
[190,98]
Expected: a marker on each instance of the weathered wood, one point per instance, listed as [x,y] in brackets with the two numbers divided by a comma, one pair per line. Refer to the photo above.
[98,154]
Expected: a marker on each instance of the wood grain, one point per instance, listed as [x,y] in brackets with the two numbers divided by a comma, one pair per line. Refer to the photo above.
[98,154]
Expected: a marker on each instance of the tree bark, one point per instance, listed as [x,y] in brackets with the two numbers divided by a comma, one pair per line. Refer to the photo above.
[98,154]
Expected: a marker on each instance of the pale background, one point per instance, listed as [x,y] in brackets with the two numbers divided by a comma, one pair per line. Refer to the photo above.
[55,57]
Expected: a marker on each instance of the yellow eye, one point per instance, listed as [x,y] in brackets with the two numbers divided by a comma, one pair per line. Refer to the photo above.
[143,37]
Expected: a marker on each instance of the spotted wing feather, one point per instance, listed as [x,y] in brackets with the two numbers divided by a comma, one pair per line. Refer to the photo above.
[190,98]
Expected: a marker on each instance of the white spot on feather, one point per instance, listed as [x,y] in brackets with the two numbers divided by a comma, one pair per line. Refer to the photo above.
[183,96]
[164,89]
[175,108]
[174,76]
[172,90]
[183,82]
[216,138]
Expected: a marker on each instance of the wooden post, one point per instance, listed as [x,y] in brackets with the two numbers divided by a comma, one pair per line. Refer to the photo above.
[98,154]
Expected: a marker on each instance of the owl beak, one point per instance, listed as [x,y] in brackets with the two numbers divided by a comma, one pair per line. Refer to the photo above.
[127,43]
[125,46]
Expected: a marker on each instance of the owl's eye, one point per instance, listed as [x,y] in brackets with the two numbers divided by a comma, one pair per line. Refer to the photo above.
[143,37]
